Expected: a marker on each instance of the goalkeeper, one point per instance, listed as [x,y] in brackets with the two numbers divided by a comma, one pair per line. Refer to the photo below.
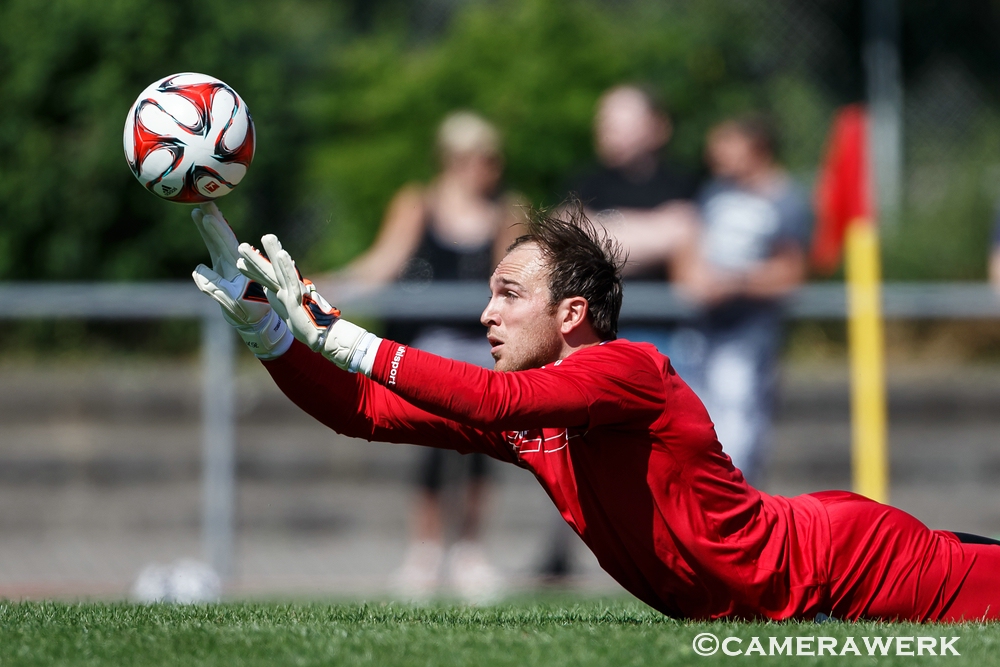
[623,447]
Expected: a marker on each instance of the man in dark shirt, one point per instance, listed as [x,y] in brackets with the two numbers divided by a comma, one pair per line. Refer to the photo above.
[638,196]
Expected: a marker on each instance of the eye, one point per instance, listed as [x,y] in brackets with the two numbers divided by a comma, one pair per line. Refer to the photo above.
[509,295]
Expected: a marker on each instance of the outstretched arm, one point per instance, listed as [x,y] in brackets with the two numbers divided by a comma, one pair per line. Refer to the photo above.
[354,406]
[337,394]
[601,384]
[617,383]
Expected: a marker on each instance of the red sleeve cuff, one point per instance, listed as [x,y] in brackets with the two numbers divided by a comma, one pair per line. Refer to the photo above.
[388,362]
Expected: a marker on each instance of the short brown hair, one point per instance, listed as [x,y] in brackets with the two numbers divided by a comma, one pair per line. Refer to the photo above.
[761,130]
[582,261]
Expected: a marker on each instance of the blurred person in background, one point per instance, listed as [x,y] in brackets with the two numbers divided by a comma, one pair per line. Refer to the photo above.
[646,203]
[455,228]
[749,254]
[634,192]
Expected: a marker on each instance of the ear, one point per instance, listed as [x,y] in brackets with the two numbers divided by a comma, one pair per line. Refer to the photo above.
[572,314]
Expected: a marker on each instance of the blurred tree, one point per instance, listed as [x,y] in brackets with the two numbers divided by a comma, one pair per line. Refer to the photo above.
[70,69]
[346,96]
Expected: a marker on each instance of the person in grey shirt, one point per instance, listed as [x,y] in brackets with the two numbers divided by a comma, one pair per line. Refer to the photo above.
[750,253]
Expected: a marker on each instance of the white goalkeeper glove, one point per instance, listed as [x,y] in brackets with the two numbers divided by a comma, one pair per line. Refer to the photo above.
[310,317]
[244,304]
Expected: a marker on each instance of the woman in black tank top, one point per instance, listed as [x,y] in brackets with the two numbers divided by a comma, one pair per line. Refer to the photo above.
[456,228]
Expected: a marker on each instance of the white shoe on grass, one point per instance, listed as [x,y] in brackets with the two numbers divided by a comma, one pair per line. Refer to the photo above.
[418,578]
[471,575]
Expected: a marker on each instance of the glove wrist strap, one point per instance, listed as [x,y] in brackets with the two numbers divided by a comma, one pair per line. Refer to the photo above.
[365,351]
[347,345]
[267,339]
[368,359]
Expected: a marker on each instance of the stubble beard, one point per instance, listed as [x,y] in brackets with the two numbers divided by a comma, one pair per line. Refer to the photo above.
[533,350]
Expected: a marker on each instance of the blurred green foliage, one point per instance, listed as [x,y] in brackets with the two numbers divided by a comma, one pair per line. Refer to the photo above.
[536,68]
[343,120]
[951,203]
[346,115]
[69,71]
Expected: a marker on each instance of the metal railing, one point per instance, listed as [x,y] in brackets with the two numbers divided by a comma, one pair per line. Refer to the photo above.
[454,301]
[151,301]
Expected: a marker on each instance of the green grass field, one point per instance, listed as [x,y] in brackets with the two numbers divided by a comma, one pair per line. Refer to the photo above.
[550,633]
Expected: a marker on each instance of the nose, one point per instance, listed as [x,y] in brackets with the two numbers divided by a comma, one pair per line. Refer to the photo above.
[490,316]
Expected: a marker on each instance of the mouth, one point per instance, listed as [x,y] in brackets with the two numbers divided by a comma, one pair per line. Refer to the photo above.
[495,344]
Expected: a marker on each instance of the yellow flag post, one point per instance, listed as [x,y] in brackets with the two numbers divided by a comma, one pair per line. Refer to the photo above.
[845,212]
[869,451]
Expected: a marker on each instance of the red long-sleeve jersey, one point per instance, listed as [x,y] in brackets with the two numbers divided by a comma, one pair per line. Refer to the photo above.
[625,450]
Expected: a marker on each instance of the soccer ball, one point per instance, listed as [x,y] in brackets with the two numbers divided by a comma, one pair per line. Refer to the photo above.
[189,138]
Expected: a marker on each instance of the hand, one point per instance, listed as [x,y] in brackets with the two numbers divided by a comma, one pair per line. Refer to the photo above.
[310,318]
[244,303]
[253,264]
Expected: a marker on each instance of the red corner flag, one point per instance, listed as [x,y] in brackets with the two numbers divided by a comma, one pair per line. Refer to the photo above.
[843,190]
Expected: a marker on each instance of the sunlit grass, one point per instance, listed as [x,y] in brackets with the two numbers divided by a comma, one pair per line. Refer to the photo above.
[551,633]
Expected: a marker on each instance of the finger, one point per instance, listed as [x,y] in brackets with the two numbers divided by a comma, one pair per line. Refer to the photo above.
[255,266]
[202,280]
[222,244]
[206,280]
[199,222]
[284,269]
[270,243]
[276,303]
[210,208]
[220,241]
[254,273]
[321,301]
[272,248]
[207,273]
[281,262]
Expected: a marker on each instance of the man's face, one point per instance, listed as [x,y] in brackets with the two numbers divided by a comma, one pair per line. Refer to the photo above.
[730,153]
[626,129]
[521,324]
